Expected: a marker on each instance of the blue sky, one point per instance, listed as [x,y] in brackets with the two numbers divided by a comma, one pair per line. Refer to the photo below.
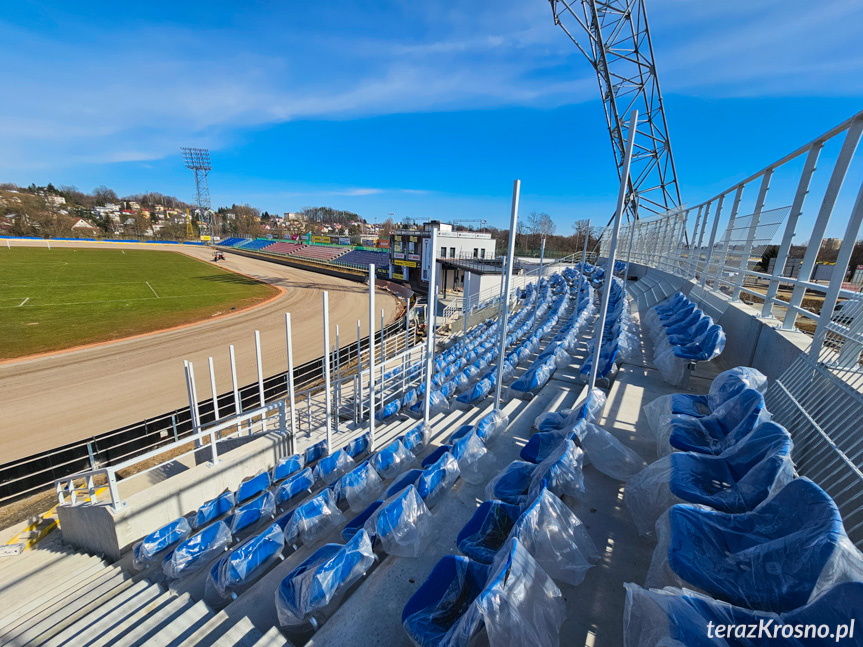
[420,109]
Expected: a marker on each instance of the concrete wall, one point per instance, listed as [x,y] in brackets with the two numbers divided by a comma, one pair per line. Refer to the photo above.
[101,530]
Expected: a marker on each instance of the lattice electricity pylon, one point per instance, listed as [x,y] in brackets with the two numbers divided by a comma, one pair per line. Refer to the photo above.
[198,160]
[618,47]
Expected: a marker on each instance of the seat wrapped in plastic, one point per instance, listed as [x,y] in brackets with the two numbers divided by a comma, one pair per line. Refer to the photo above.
[492,425]
[512,484]
[448,389]
[606,453]
[314,452]
[358,487]
[673,362]
[295,486]
[402,526]
[312,591]
[388,410]
[486,532]
[437,404]
[461,432]
[437,478]
[150,547]
[778,557]
[587,408]
[253,486]
[392,460]
[288,466]
[409,399]
[333,467]
[470,451]
[715,433]
[246,562]
[403,480]
[358,446]
[213,509]
[197,550]
[314,519]
[252,512]
[521,606]
[737,480]
[416,439]
[443,612]
[434,457]
[534,378]
[562,471]
[475,393]
[356,524]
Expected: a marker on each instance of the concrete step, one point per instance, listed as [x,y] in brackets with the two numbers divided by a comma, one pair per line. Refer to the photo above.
[173,634]
[242,634]
[135,615]
[44,598]
[274,638]
[164,625]
[54,618]
[106,615]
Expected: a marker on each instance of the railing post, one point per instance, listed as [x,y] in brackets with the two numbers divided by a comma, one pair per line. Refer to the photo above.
[326,358]
[196,414]
[358,395]
[691,263]
[466,300]
[713,229]
[430,326]
[214,392]
[612,251]
[501,357]
[112,489]
[93,458]
[750,237]
[174,425]
[371,358]
[338,377]
[735,207]
[290,345]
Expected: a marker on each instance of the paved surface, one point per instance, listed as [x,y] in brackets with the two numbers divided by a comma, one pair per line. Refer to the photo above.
[60,398]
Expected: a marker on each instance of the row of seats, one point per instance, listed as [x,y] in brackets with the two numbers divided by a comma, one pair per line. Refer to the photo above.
[364,258]
[232,241]
[682,335]
[318,253]
[733,520]
[618,337]
[283,248]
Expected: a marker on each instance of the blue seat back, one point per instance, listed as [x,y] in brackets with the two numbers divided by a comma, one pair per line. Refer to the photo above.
[408,478]
[213,509]
[486,531]
[358,446]
[287,466]
[295,485]
[161,540]
[253,486]
[252,512]
[437,478]
[193,553]
[356,524]
[314,452]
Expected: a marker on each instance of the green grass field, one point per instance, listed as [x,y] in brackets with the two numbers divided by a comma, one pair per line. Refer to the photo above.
[64,297]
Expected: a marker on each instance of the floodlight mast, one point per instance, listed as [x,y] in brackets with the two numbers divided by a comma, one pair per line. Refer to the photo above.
[617,44]
[198,160]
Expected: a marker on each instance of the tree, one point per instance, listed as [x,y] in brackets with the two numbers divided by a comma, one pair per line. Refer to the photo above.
[387,228]
[103,195]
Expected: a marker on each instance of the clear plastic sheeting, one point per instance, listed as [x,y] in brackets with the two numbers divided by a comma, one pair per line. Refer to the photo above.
[487,530]
[252,512]
[314,452]
[295,485]
[534,379]
[469,451]
[196,551]
[359,487]
[158,541]
[780,556]
[246,562]
[314,519]
[213,509]
[437,479]
[492,425]
[556,538]
[587,408]
[521,605]
[320,580]
[512,484]
[417,438]
[358,446]
[287,466]
[606,453]
[562,471]
[253,486]
[392,460]
[402,525]
[333,467]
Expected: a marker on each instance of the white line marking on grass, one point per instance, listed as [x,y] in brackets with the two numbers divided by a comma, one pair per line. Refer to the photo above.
[124,253]
[151,287]
[23,302]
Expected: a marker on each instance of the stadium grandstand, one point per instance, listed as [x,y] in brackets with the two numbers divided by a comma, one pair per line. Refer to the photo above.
[363,258]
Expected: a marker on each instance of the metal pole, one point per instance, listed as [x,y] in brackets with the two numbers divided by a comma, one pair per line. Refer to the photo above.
[290,343]
[466,300]
[541,257]
[358,394]
[213,388]
[629,253]
[383,359]
[583,258]
[260,367]
[406,359]
[196,413]
[338,377]
[371,358]
[193,409]
[327,394]
[612,250]
[513,219]
[309,413]
[238,405]
[432,298]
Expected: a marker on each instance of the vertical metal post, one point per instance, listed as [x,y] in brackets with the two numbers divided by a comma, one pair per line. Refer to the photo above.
[290,344]
[213,389]
[238,405]
[691,262]
[309,413]
[432,298]
[371,358]
[466,300]
[260,367]
[405,357]
[501,356]
[701,239]
[196,413]
[849,240]
[735,207]
[612,250]
[629,252]
[358,395]
[790,226]
[584,258]
[750,237]
[327,394]
[713,229]
[195,423]
[338,377]
[174,425]
[541,256]
[383,359]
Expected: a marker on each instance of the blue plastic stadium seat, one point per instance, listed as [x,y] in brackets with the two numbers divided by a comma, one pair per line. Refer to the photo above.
[213,509]
[512,484]
[253,486]
[713,434]
[158,541]
[358,488]
[437,478]
[462,431]
[197,550]
[408,478]
[358,446]
[305,594]
[492,425]
[314,519]
[314,452]
[246,562]
[252,512]
[416,439]
[333,467]
[434,457]
[392,460]
[288,466]
[295,486]
[356,524]
[402,526]
[770,559]
[486,532]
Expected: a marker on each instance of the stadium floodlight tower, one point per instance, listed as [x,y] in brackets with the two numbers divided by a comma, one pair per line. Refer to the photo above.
[198,160]
[615,38]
